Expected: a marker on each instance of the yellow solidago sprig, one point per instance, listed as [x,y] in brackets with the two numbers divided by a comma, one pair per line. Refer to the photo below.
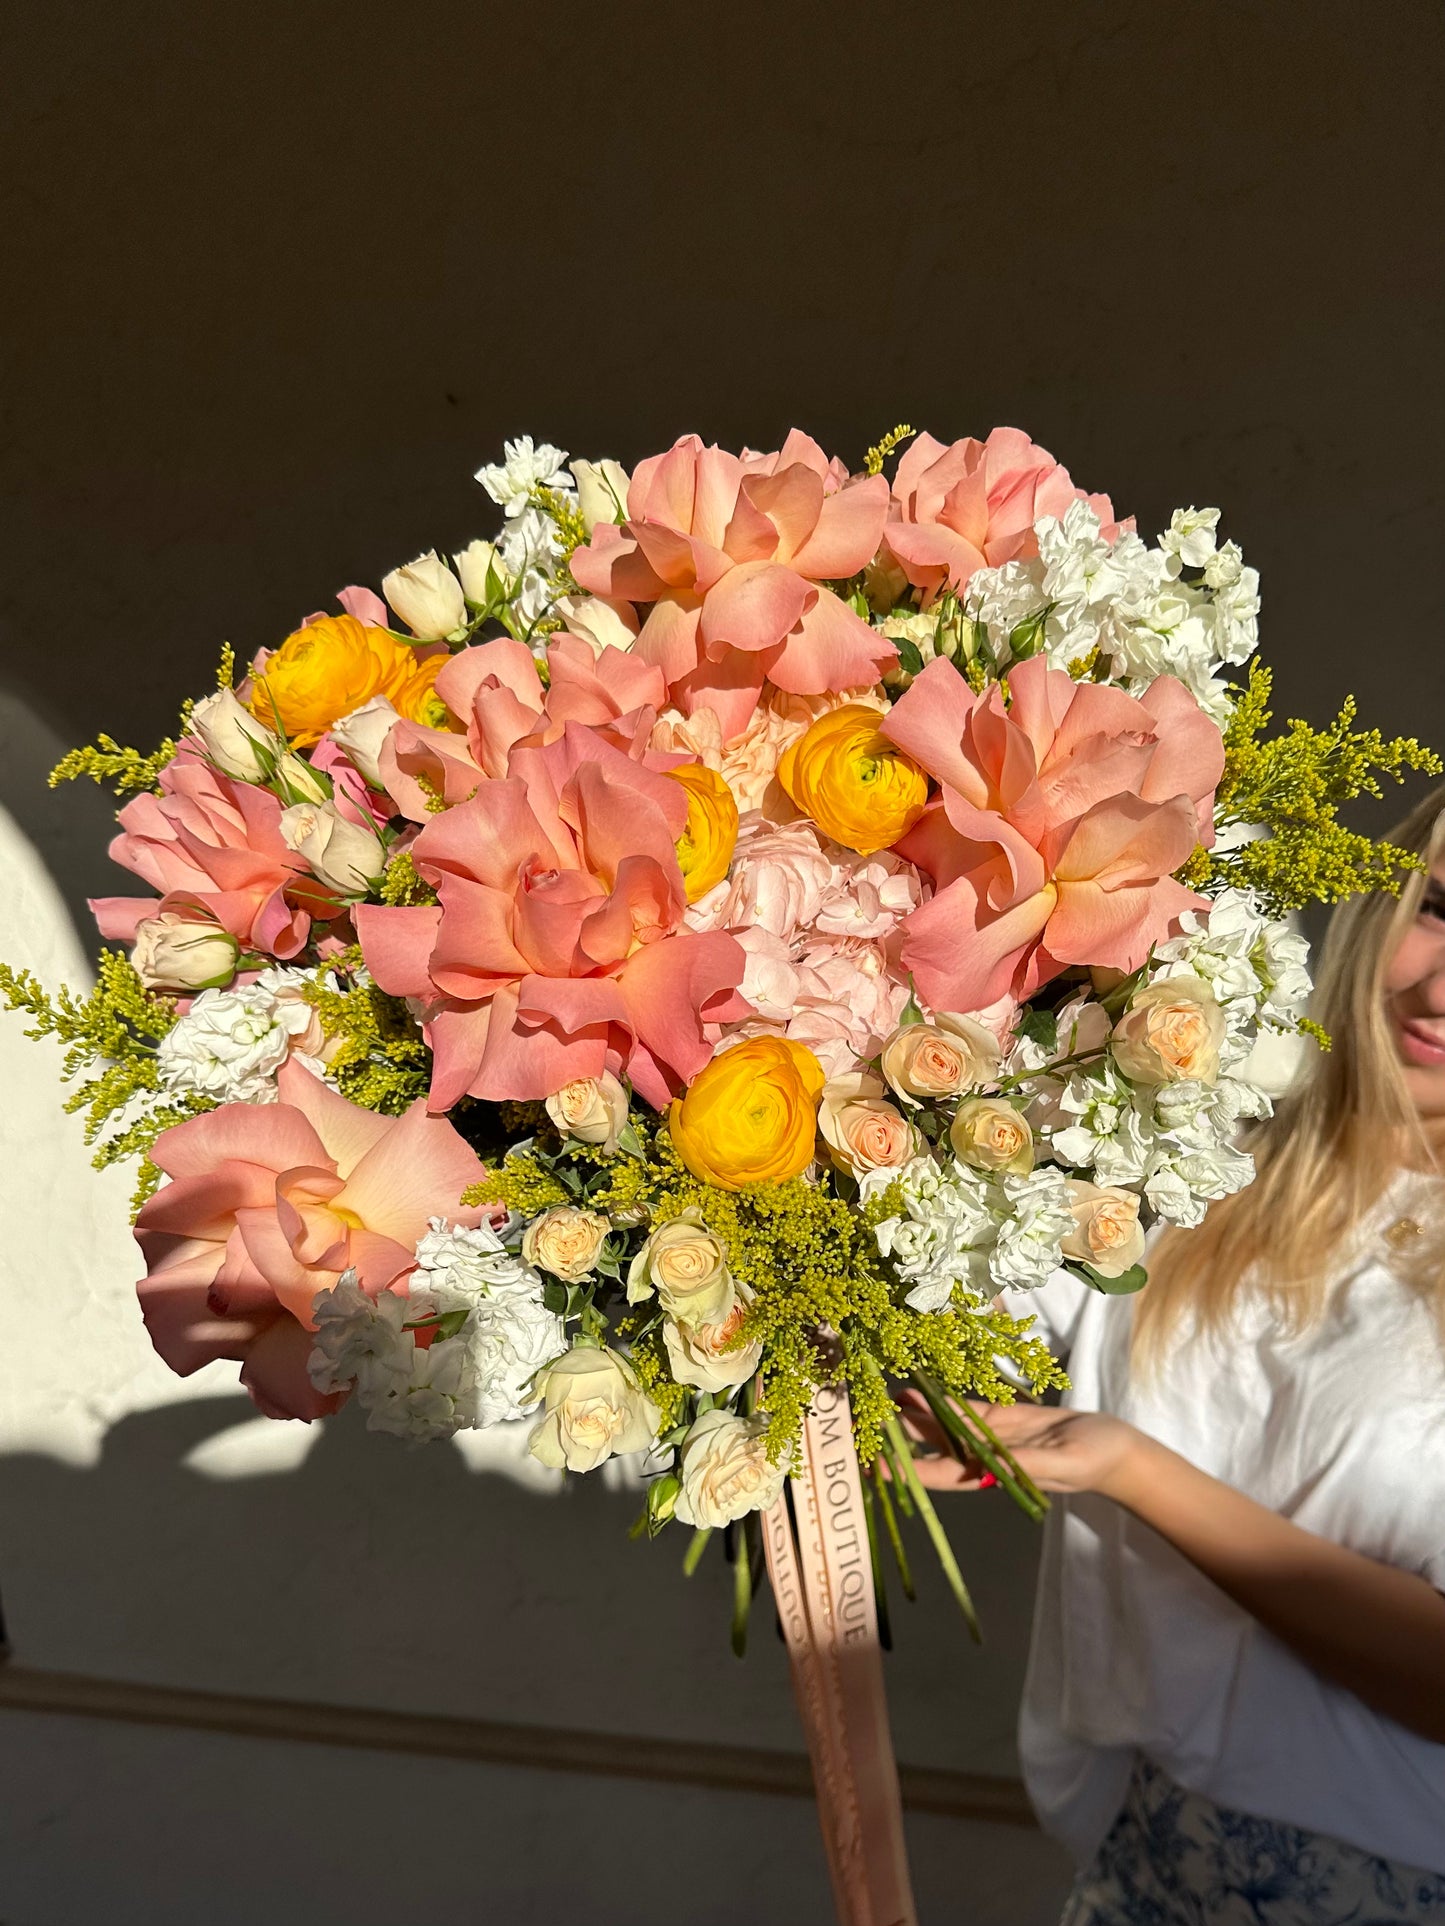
[378,1058]
[401,885]
[129,771]
[113,1032]
[880,451]
[1293,784]
[826,1307]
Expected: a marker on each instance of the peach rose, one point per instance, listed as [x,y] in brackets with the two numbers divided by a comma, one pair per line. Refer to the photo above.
[565,1241]
[940,1057]
[698,1354]
[1171,1030]
[989,1135]
[686,1265]
[861,1128]
[591,1109]
[1107,1234]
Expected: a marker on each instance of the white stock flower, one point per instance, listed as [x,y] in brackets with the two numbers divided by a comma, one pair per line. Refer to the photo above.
[230,1044]
[1185,1184]
[1029,1237]
[1126,599]
[528,550]
[513,1339]
[509,1334]
[427,597]
[358,1339]
[961,1226]
[510,482]
[1189,539]
[462,1266]
[437,1398]
[478,1374]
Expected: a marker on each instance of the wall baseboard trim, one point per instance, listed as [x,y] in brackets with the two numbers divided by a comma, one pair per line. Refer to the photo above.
[729,1768]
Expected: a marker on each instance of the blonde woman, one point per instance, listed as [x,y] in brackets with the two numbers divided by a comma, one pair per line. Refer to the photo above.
[1235,1708]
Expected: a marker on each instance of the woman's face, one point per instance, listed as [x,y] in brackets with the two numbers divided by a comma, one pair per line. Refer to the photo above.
[1415,999]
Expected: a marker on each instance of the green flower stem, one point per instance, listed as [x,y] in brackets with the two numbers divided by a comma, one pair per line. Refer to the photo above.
[968,1433]
[903,1451]
[899,1481]
[895,1536]
[986,1432]
[1006,1084]
[695,1551]
[742,1591]
[875,1559]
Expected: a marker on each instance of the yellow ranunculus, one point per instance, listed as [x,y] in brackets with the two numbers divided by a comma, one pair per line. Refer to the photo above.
[416,697]
[705,847]
[326,670]
[750,1117]
[857,787]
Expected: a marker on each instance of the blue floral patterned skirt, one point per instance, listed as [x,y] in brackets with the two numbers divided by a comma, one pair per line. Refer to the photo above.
[1177,1859]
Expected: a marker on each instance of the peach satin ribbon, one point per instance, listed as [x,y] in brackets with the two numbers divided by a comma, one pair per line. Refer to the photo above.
[823,1584]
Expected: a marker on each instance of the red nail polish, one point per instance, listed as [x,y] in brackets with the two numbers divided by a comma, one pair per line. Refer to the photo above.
[986,1480]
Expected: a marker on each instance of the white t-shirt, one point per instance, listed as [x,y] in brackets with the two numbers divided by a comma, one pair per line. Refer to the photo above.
[1341,1430]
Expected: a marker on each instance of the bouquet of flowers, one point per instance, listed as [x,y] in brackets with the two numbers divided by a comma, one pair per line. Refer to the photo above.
[668,971]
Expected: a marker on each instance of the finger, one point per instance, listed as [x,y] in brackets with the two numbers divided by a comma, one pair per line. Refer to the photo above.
[1016,1421]
[926,1431]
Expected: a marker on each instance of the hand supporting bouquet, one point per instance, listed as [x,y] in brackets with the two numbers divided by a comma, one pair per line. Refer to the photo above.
[667,972]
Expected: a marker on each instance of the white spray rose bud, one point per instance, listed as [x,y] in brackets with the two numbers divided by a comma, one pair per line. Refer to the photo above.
[601,622]
[1107,1234]
[601,491]
[699,1355]
[687,1267]
[1171,1030]
[592,1409]
[939,1058]
[725,1470]
[234,741]
[297,782]
[427,597]
[591,1109]
[476,561]
[174,952]
[361,735]
[565,1241]
[344,857]
[989,1135]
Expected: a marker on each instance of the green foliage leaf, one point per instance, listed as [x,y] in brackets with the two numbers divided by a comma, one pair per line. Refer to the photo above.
[1041,1027]
[1125,1285]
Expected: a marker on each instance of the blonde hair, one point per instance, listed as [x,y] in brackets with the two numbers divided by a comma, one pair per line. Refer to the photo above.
[1328,1154]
